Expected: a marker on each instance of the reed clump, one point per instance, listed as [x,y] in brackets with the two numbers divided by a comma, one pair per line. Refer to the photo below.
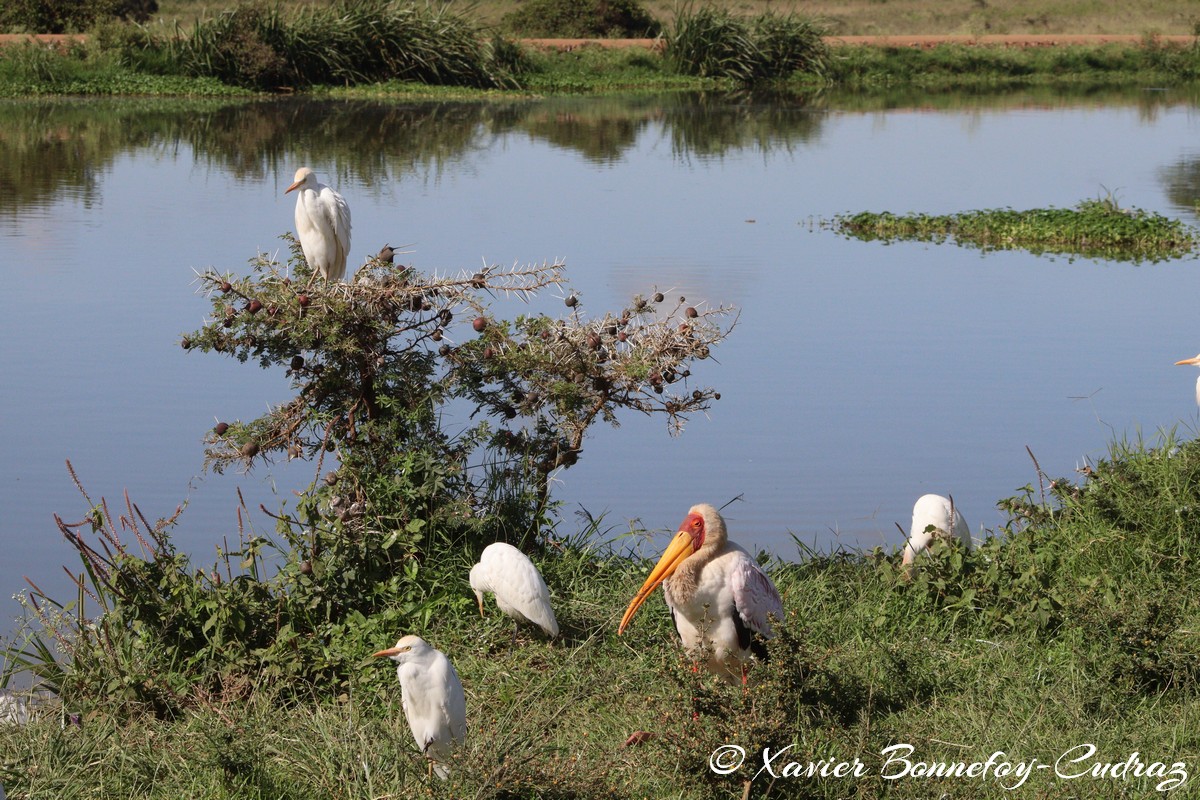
[712,42]
[349,42]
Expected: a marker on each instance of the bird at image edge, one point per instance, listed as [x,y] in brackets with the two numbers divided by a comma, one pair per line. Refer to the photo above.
[1194,361]
[322,225]
[715,591]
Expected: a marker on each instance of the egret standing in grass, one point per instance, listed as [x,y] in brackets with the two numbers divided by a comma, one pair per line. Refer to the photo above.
[934,516]
[520,591]
[1195,362]
[433,699]
[322,225]
[718,596]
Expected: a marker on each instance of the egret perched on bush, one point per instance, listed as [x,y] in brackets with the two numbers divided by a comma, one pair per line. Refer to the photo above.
[322,225]
[518,586]
[1195,362]
[433,699]
[718,596]
[934,515]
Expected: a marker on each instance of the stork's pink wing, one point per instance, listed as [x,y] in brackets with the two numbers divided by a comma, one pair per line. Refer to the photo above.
[754,596]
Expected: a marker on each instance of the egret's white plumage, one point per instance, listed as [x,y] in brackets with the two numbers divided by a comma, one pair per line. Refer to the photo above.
[718,596]
[433,699]
[932,517]
[322,225]
[520,591]
[1195,362]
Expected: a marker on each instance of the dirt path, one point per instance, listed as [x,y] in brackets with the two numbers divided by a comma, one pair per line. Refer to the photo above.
[923,41]
[1019,40]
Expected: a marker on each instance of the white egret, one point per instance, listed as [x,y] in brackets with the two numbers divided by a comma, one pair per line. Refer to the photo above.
[934,516]
[322,225]
[518,586]
[718,596]
[1195,362]
[433,699]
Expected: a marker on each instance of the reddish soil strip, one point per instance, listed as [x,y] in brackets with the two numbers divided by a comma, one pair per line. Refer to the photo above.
[914,40]
[44,38]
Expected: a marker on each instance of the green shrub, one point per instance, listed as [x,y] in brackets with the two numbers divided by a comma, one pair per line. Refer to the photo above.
[70,16]
[403,499]
[349,42]
[130,46]
[582,19]
[714,43]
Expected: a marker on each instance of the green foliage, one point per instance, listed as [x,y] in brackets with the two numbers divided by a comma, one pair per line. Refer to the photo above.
[867,657]
[582,19]
[69,16]
[348,42]
[127,68]
[713,43]
[995,67]
[382,542]
[1094,229]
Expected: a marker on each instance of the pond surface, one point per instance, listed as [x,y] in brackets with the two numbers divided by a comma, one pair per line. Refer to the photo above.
[859,376]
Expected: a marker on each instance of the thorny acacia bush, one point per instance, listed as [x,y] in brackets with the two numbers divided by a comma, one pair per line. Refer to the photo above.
[401,502]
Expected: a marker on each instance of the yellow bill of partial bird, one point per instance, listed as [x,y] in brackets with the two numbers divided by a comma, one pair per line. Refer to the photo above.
[433,699]
[1194,361]
[322,225]
[720,599]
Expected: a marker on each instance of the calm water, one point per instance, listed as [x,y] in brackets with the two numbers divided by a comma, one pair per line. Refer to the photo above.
[859,376]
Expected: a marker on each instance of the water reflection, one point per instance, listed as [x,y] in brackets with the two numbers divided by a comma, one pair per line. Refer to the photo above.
[859,377]
[53,149]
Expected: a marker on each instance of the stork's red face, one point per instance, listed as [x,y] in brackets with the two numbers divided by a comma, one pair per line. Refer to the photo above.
[693,524]
[688,539]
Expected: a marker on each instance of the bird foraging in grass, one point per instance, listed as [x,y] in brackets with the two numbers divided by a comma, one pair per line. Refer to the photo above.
[322,225]
[719,597]
[934,516]
[520,592]
[433,699]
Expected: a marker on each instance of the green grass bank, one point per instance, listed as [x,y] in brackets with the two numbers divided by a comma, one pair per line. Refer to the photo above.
[1075,625]
[399,49]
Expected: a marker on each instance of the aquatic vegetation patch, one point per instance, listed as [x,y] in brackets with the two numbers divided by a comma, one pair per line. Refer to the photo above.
[1093,229]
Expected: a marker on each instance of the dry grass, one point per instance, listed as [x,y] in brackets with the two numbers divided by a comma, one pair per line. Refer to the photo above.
[872,17]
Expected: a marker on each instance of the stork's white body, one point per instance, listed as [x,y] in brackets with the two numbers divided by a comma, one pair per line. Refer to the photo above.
[520,592]
[322,225]
[718,595]
[730,588]
[936,511]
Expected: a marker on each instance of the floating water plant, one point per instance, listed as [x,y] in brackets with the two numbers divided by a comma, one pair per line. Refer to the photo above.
[1093,229]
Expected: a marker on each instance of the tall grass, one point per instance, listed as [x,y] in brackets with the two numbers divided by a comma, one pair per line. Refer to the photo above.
[1074,624]
[348,42]
[714,43]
